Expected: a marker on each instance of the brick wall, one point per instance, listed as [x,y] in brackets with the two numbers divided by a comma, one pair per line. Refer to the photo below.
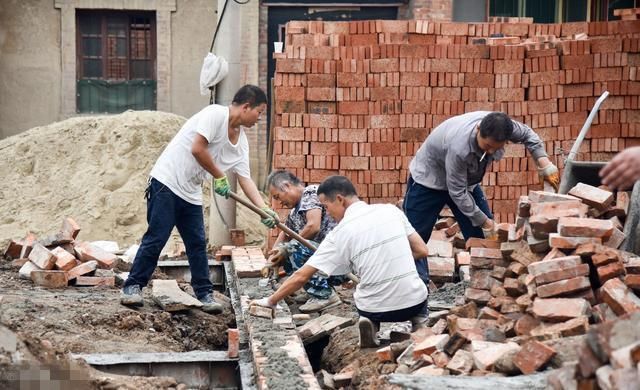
[359,98]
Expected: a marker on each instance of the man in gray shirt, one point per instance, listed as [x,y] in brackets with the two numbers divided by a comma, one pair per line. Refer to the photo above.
[450,164]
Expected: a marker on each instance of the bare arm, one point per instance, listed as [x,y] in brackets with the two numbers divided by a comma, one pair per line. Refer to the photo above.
[201,153]
[314,219]
[251,191]
[418,247]
[293,283]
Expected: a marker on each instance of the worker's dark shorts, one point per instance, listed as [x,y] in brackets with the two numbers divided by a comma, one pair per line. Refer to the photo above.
[395,315]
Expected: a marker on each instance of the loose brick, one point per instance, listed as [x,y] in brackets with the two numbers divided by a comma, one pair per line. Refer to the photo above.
[430,345]
[82,269]
[563,287]
[558,264]
[70,228]
[475,242]
[42,257]
[560,309]
[95,281]
[619,297]
[585,227]
[49,278]
[533,356]
[525,324]
[233,342]
[486,354]
[461,363]
[441,269]
[558,241]
[592,196]
[64,260]
[86,252]
[482,280]
[478,296]
[562,274]
[610,271]
[573,327]
[545,196]
[13,250]
[25,270]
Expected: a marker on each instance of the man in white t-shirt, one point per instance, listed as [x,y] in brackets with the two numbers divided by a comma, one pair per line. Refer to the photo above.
[210,143]
[379,245]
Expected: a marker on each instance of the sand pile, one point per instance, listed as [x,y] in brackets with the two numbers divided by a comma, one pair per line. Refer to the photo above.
[92,168]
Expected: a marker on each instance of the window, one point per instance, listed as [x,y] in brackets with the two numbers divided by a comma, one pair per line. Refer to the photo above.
[116,61]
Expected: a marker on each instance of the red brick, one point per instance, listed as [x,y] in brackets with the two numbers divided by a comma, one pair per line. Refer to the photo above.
[449,65]
[463,258]
[384,65]
[414,79]
[353,108]
[324,148]
[448,28]
[384,354]
[323,121]
[508,66]
[384,93]
[233,342]
[385,121]
[533,356]
[482,280]
[87,252]
[619,297]
[82,269]
[13,249]
[509,94]
[288,134]
[558,241]
[559,264]
[50,279]
[95,281]
[290,65]
[584,61]
[42,257]
[321,94]
[290,93]
[352,135]
[289,161]
[544,196]
[573,327]
[606,45]
[584,227]
[560,309]
[443,93]
[592,196]
[475,242]
[564,273]
[430,345]
[478,296]
[486,354]
[383,177]
[354,163]
[321,80]
[70,228]
[563,287]
[64,260]
[610,271]
[525,324]
[351,80]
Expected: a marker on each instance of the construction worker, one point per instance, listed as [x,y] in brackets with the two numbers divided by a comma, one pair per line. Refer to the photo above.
[622,172]
[211,142]
[311,221]
[379,245]
[450,164]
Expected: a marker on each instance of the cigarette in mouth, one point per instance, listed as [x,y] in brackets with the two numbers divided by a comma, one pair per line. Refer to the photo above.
[483,154]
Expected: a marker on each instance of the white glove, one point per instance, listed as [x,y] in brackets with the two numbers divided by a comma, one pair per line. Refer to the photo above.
[264,302]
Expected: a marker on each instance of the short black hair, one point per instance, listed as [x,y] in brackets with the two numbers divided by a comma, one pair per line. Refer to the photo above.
[250,94]
[497,126]
[279,177]
[336,185]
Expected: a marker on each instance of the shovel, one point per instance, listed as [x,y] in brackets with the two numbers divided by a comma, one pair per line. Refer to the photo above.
[282,227]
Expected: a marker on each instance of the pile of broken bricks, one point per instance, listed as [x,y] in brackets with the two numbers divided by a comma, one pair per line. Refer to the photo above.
[553,274]
[58,260]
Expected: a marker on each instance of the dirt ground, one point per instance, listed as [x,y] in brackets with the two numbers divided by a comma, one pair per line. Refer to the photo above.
[91,320]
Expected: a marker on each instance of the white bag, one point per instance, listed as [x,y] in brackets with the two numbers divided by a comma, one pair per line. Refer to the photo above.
[214,69]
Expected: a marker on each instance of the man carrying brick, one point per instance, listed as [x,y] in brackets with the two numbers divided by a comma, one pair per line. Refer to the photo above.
[622,172]
[450,164]
[379,245]
[210,143]
[309,219]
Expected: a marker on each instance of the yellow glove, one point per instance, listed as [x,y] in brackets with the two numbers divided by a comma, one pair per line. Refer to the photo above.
[273,219]
[551,175]
[221,186]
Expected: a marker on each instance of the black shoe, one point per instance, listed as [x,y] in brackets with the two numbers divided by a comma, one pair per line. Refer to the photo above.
[132,296]
[209,305]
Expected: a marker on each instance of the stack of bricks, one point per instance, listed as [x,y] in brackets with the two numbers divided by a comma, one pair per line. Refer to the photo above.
[548,276]
[57,260]
[359,98]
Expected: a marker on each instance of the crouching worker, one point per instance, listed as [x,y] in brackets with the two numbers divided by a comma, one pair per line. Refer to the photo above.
[310,220]
[379,245]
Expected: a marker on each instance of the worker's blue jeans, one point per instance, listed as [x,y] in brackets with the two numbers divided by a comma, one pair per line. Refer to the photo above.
[422,206]
[164,211]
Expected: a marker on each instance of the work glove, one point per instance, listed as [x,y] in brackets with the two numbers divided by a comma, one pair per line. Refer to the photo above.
[277,255]
[263,302]
[551,175]
[221,186]
[490,233]
[273,219]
